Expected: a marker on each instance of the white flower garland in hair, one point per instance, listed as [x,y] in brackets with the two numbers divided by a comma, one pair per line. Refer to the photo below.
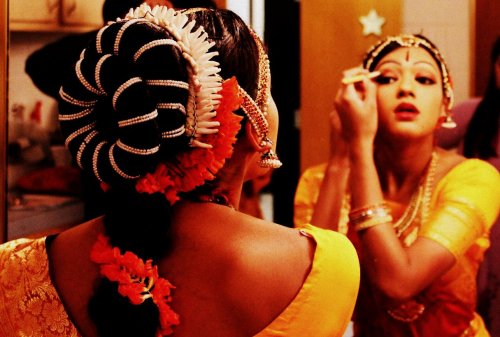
[205,81]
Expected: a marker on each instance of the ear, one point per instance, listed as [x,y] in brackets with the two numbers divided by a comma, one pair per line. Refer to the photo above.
[257,143]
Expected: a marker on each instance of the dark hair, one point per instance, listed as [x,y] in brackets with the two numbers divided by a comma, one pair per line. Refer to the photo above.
[141,222]
[228,30]
[480,137]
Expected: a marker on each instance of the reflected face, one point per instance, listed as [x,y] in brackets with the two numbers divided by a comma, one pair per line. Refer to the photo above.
[409,93]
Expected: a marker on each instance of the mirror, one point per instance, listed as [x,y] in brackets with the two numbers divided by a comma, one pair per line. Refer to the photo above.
[3,117]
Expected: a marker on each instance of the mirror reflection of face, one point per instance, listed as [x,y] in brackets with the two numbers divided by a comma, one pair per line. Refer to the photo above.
[409,92]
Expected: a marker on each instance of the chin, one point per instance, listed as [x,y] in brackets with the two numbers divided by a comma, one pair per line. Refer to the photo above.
[406,132]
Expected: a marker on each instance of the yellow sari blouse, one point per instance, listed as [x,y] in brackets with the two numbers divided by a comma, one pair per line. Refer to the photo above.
[463,206]
[30,304]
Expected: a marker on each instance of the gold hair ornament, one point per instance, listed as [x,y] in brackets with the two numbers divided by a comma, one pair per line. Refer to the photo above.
[256,110]
[407,40]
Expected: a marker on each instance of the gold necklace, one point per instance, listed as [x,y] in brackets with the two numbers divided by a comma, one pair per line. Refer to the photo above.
[419,202]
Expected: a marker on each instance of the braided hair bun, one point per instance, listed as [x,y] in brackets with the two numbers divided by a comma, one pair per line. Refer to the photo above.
[119,108]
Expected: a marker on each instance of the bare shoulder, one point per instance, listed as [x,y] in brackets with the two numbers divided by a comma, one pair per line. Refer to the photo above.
[250,268]
[274,262]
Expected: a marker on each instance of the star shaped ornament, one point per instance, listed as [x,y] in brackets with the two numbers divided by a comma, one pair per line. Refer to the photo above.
[372,23]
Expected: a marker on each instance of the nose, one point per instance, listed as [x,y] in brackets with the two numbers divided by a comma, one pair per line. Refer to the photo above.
[406,87]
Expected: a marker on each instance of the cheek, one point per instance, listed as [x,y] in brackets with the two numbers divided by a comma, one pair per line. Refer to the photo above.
[273,120]
[385,105]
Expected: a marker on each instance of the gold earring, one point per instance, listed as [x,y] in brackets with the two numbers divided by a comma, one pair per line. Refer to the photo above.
[449,123]
[269,159]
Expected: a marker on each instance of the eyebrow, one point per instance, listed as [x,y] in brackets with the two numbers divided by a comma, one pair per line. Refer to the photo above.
[416,63]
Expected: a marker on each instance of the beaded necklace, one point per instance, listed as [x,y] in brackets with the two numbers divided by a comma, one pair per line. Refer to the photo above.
[419,202]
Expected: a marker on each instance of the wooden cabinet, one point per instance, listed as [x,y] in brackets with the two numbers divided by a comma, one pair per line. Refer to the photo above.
[55,15]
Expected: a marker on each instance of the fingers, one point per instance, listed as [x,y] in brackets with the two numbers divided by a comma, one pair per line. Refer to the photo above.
[358,86]
[360,77]
[356,104]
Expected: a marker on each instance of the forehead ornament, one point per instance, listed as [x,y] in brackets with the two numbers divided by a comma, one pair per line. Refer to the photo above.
[417,42]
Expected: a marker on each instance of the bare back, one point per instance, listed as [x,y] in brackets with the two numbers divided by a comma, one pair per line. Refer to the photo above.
[233,273]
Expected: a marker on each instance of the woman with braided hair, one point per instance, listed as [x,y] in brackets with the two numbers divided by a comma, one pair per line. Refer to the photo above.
[172,112]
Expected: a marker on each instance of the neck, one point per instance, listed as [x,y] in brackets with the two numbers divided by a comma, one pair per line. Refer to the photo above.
[400,169]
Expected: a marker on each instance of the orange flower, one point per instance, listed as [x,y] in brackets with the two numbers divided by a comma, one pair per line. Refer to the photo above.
[137,280]
[198,165]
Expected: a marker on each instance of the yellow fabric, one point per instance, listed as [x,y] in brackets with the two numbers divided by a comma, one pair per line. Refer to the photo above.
[324,305]
[30,305]
[307,194]
[463,207]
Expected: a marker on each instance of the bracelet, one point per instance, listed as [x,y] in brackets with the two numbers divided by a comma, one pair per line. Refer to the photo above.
[362,214]
[369,216]
[372,222]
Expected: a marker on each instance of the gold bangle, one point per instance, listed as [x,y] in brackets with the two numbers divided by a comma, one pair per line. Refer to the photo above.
[366,213]
[359,210]
[372,222]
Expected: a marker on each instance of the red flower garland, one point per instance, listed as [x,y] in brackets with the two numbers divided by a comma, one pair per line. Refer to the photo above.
[137,280]
[197,165]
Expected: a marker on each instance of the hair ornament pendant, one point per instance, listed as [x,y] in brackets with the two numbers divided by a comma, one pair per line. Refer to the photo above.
[449,123]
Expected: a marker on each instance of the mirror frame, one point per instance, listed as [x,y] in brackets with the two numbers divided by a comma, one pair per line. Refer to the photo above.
[4,43]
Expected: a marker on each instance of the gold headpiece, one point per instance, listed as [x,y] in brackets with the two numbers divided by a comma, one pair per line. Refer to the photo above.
[256,110]
[408,40]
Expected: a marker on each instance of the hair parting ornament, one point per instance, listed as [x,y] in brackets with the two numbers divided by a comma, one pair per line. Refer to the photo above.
[407,40]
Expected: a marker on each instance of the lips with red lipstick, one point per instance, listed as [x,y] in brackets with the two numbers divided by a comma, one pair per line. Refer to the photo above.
[406,112]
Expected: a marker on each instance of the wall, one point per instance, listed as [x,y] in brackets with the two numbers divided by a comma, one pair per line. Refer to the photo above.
[331,41]
[21,88]
[448,24]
